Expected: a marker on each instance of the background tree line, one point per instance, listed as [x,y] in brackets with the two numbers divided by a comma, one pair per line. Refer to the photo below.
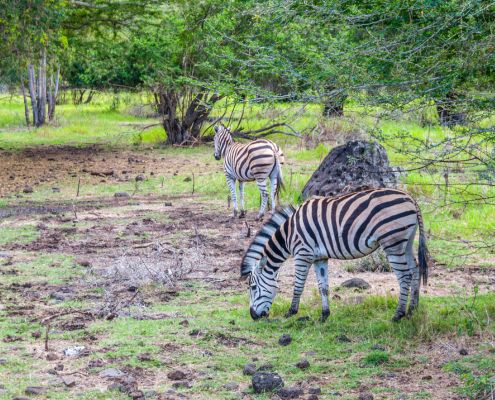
[191,54]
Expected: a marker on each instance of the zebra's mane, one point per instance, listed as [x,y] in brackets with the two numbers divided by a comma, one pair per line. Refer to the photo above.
[254,252]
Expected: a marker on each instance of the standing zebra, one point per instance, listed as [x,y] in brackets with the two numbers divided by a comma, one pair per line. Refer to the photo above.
[257,160]
[346,227]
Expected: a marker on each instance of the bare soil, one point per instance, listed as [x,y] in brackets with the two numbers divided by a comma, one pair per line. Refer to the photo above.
[106,233]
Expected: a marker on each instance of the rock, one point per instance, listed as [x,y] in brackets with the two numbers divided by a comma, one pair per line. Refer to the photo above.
[366,396]
[150,394]
[303,364]
[266,382]
[97,363]
[121,195]
[52,357]
[266,367]
[181,384]
[35,390]
[378,347]
[249,369]
[356,165]
[27,189]
[136,395]
[74,351]
[144,357]
[168,204]
[55,189]
[463,352]
[231,386]
[83,262]
[284,340]
[111,373]
[356,283]
[314,390]
[312,397]
[290,393]
[139,178]
[427,378]
[3,361]
[176,375]
[343,338]
[36,334]
[59,296]
[59,367]
[69,381]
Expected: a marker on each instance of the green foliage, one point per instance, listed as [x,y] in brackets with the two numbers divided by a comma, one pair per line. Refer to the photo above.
[376,357]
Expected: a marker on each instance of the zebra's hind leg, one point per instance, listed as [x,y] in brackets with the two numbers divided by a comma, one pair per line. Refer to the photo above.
[264,196]
[321,270]
[416,282]
[396,255]
[233,193]
[301,273]
[241,197]
[273,188]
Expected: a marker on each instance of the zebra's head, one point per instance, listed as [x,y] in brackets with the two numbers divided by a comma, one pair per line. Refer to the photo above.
[262,289]
[221,140]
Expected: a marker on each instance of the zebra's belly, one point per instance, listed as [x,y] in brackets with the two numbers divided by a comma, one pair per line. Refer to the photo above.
[323,251]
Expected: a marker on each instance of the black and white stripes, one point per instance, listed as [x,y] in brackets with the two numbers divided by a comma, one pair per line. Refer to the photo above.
[257,160]
[346,227]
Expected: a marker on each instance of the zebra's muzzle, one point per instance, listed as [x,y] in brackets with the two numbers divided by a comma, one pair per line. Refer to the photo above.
[255,316]
[217,157]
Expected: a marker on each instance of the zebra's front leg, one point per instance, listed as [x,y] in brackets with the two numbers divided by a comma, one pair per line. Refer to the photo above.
[264,197]
[231,185]
[301,273]
[241,197]
[321,270]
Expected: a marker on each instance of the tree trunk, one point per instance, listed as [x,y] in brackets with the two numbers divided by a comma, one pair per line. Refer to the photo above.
[33,94]
[446,110]
[53,95]
[26,105]
[333,105]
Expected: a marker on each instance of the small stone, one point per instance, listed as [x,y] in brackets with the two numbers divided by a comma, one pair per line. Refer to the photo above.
[121,195]
[27,189]
[150,394]
[356,283]
[365,396]
[21,398]
[427,378]
[52,356]
[55,189]
[136,395]
[184,323]
[303,364]
[144,357]
[74,351]
[266,367]
[36,334]
[168,204]
[284,340]
[139,178]
[290,393]
[83,262]
[463,352]
[59,296]
[231,386]
[314,390]
[249,369]
[312,397]
[181,384]
[35,390]
[59,367]
[266,382]
[69,381]
[111,373]
[343,338]
[378,347]
[176,375]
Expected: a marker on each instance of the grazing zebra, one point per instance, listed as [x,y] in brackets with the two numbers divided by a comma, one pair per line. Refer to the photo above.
[345,227]
[257,160]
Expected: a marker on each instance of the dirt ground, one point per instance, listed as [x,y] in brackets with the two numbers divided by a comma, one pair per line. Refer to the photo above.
[110,236]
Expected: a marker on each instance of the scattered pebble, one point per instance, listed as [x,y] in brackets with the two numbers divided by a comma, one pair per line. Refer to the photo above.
[266,382]
[356,283]
[139,178]
[36,334]
[314,390]
[27,189]
[290,393]
[35,390]
[111,373]
[342,338]
[365,396]
[69,381]
[176,375]
[378,347]
[303,364]
[427,378]
[463,352]
[121,195]
[249,369]
[284,340]
[74,351]
[181,384]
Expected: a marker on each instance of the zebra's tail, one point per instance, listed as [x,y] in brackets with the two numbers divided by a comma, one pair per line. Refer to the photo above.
[423,253]
[280,181]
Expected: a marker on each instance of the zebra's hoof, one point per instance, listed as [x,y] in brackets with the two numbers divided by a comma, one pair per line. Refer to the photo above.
[324,316]
[235,213]
[290,313]
[398,316]
[242,214]
[260,217]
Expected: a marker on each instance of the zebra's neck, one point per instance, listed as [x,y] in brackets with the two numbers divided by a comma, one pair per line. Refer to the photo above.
[226,142]
[276,249]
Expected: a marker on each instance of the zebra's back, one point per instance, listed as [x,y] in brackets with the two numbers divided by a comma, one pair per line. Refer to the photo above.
[353,225]
[250,161]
